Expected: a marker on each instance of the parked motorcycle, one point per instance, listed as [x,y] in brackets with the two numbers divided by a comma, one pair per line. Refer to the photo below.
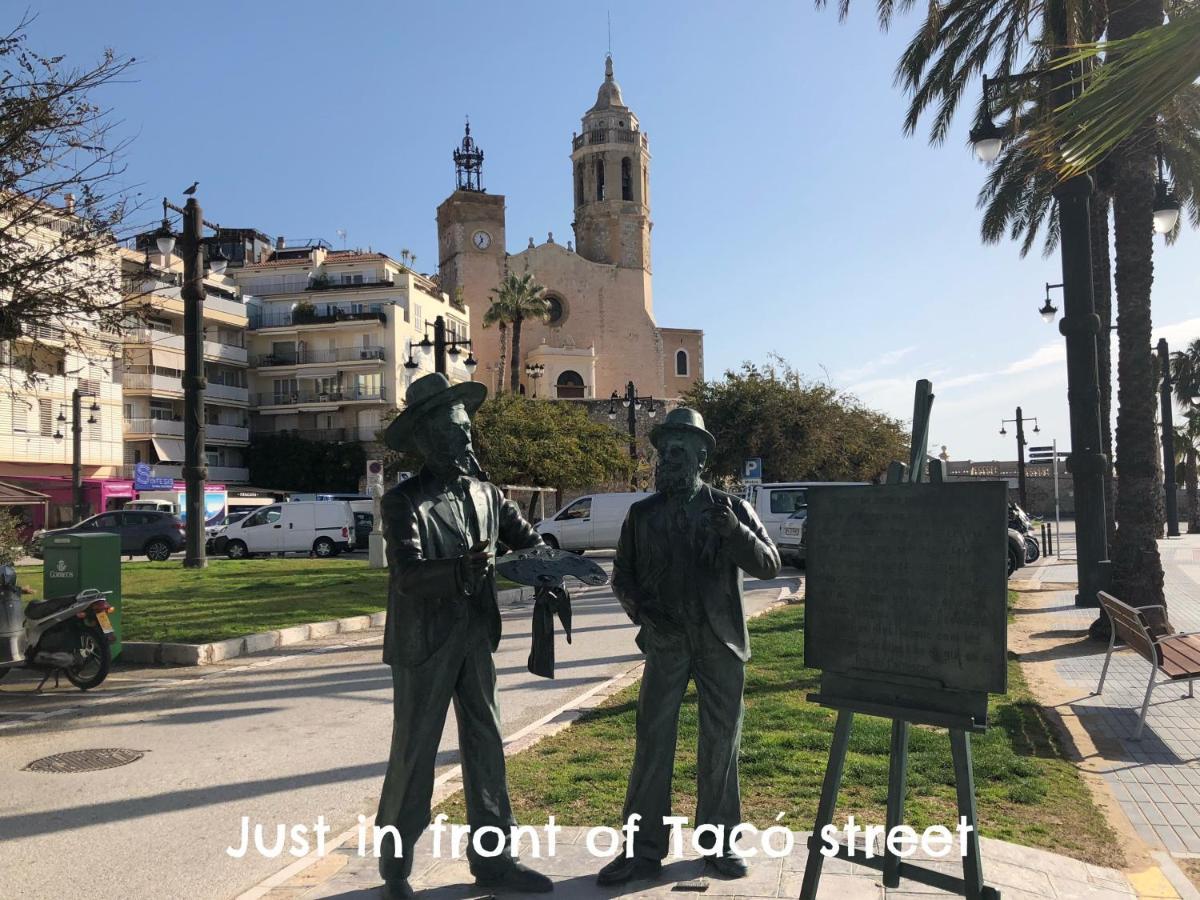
[1019,520]
[62,635]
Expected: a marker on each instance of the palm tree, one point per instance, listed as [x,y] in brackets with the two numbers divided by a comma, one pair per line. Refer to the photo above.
[497,314]
[1185,376]
[518,298]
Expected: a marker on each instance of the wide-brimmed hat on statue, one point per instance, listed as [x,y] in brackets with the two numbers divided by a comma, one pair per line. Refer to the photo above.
[682,419]
[424,395]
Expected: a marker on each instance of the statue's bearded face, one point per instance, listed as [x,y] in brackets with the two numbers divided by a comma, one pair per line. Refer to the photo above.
[444,440]
[681,459]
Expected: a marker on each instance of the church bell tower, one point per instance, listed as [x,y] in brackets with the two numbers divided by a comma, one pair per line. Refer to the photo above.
[611,169]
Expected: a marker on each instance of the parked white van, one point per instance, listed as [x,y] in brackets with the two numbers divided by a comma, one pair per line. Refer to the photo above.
[323,527]
[589,523]
[775,502]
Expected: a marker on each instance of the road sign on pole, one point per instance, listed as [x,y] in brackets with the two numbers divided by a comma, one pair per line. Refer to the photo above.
[752,471]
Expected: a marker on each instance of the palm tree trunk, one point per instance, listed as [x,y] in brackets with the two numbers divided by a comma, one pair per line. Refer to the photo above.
[1137,568]
[516,355]
[503,356]
[1193,507]
[1102,291]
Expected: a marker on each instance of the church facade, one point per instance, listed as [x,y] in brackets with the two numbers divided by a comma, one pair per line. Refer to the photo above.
[602,332]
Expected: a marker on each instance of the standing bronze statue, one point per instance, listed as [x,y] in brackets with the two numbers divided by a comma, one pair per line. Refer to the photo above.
[442,528]
[678,574]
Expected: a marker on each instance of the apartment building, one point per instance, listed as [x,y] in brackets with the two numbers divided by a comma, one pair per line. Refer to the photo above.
[40,370]
[332,339]
[153,365]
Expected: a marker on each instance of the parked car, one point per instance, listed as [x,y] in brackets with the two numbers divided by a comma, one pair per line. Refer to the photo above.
[364,524]
[776,502]
[212,529]
[791,538]
[143,532]
[323,528]
[589,523]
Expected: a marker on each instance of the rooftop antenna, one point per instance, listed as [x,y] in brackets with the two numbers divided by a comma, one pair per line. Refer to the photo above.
[341,232]
[610,32]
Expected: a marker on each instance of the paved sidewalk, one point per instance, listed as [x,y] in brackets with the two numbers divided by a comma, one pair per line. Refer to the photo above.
[1020,873]
[1156,780]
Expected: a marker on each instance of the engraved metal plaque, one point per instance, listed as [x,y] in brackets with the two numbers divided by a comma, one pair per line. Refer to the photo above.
[906,594]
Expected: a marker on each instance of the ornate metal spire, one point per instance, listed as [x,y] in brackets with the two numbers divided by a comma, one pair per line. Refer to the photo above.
[468,163]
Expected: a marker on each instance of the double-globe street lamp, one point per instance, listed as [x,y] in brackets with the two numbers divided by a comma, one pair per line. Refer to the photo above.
[1080,326]
[1020,421]
[534,371]
[441,347]
[632,403]
[77,446]
[195,469]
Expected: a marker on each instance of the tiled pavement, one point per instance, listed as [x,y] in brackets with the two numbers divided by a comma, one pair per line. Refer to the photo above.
[1020,873]
[1156,780]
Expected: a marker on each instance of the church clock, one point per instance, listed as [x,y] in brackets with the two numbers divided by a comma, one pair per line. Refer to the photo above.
[482,240]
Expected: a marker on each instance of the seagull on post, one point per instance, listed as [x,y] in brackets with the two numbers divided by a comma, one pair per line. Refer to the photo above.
[190,191]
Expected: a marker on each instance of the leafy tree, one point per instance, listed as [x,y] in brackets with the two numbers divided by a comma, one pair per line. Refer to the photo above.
[59,204]
[1185,376]
[289,462]
[10,538]
[803,431]
[538,443]
[518,298]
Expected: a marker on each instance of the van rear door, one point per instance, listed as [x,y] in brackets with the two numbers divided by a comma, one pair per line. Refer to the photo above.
[776,504]
[574,523]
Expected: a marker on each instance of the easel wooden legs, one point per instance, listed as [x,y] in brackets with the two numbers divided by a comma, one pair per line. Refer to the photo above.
[970,885]
[829,792]
[897,787]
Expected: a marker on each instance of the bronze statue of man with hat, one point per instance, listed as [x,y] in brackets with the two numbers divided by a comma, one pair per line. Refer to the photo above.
[678,574]
[442,528]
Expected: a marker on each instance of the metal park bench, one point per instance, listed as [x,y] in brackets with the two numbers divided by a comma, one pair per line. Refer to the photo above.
[1175,655]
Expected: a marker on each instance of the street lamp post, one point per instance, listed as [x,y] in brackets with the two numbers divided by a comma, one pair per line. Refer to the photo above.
[195,466]
[441,346]
[1020,422]
[1080,326]
[632,403]
[77,395]
[1168,440]
[534,371]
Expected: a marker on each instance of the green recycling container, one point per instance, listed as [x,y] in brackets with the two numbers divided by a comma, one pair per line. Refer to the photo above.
[76,562]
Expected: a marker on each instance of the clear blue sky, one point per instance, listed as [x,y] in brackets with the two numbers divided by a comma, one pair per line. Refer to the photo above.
[791,215]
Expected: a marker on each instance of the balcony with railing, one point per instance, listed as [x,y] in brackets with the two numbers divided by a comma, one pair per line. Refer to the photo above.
[226,353]
[217,474]
[305,357]
[333,435]
[610,136]
[153,427]
[300,398]
[235,433]
[300,317]
[166,385]
[230,393]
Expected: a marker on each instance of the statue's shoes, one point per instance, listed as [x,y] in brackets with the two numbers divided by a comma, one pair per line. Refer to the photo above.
[516,877]
[727,866]
[623,869]
[397,889]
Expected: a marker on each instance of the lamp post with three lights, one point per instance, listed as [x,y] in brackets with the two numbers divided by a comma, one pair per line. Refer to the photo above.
[632,403]
[77,504]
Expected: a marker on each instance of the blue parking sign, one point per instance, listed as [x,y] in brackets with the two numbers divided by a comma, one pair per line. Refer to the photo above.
[752,469]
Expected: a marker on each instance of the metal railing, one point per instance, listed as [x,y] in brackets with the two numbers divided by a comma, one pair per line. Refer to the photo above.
[292,398]
[303,357]
[306,317]
[168,427]
[610,136]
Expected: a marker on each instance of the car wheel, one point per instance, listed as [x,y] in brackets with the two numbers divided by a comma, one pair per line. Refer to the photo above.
[158,550]
[324,548]
[550,541]
[236,550]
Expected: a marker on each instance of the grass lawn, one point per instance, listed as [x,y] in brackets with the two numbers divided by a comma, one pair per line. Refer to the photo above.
[166,602]
[1027,791]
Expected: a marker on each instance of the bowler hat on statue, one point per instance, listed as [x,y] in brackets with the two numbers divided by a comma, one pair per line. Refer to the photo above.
[682,419]
[424,395]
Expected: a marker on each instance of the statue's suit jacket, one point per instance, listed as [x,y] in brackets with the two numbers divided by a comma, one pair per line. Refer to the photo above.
[426,597]
[641,575]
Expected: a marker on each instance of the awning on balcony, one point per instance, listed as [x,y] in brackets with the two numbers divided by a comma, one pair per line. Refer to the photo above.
[168,359]
[168,449]
[137,356]
[319,373]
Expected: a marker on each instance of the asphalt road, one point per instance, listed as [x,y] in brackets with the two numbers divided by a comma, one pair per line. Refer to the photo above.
[280,737]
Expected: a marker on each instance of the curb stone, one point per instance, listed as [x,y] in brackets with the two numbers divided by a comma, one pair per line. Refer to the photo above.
[172,654]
